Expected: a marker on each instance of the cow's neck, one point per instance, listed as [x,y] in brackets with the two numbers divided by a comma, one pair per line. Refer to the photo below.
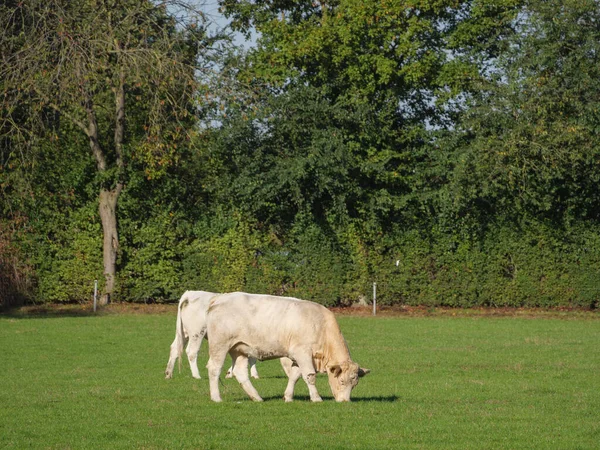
[335,351]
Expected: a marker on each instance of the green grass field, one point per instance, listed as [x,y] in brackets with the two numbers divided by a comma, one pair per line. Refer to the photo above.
[436,382]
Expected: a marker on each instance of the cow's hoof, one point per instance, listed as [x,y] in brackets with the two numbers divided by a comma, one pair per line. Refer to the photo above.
[316,400]
[288,400]
[168,375]
[257,399]
[256,377]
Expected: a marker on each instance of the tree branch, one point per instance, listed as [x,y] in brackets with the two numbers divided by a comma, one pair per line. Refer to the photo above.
[120,114]
[73,119]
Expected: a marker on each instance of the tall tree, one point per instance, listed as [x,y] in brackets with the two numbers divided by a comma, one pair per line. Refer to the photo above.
[374,49]
[398,69]
[87,64]
[532,144]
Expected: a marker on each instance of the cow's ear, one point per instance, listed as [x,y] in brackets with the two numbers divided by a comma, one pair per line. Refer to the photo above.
[335,370]
[362,372]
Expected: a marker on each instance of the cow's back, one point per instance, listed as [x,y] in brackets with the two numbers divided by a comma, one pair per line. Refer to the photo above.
[266,326]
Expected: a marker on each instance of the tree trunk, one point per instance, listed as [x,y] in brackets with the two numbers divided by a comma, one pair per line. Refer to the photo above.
[108,215]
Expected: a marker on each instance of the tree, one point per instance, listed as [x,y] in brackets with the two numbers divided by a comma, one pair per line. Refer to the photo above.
[375,51]
[85,65]
[531,146]
[396,70]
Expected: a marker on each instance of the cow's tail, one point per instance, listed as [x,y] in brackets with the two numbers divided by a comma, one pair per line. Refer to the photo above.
[179,329]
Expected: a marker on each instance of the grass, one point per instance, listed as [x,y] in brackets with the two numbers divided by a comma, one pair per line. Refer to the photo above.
[437,382]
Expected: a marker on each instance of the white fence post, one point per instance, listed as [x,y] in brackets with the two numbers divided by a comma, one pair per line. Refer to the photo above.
[95,293]
[374,298]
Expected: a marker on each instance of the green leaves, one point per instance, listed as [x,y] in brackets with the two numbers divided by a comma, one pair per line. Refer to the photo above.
[353,134]
[534,132]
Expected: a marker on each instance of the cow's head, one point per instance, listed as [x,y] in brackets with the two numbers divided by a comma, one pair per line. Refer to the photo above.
[343,377]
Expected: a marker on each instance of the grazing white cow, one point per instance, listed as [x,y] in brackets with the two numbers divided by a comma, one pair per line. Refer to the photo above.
[191,328]
[267,327]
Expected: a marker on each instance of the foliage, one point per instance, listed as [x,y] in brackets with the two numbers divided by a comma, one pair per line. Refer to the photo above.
[84,65]
[150,265]
[532,146]
[447,150]
[16,272]
[53,215]
[531,266]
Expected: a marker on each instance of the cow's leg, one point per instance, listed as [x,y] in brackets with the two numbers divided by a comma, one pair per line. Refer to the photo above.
[309,374]
[192,352]
[294,373]
[286,364]
[240,370]
[229,373]
[214,366]
[253,371]
[172,358]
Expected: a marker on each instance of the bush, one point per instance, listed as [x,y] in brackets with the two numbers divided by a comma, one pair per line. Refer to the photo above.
[16,275]
[533,266]
[69,259]
[241,256]
[150,260]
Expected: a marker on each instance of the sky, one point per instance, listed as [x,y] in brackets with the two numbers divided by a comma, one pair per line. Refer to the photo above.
[211,9]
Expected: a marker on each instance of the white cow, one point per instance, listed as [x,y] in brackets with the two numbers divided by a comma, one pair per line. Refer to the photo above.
[267,327]
[191,326]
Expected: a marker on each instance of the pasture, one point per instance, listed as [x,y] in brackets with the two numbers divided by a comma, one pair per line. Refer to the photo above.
[465,382]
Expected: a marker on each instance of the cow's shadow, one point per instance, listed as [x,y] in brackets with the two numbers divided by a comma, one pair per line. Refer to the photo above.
[306,398]
[301,397]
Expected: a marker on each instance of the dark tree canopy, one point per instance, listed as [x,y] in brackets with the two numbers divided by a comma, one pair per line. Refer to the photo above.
[448,150]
